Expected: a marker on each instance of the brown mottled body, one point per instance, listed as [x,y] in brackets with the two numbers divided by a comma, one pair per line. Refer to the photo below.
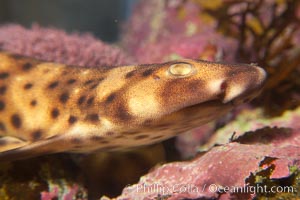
[47,107]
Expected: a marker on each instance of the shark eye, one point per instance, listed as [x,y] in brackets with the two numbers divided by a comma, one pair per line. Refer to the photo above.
[181,69]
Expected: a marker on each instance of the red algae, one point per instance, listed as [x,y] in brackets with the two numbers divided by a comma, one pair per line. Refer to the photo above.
[56,45]
[159,31]
[232,165]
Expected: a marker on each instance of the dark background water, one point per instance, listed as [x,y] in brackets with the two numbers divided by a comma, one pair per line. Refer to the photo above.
[103,18]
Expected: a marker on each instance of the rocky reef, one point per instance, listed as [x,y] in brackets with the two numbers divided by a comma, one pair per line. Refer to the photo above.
[260,163]
[255,146]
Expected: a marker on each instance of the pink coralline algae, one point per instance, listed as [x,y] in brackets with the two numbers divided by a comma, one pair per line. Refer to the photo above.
[188,143]
[64,192]
[251,120]
[50,195]
[160,31]
[51,44]
[46,178]
[235,166]
[249,152]
[251,160]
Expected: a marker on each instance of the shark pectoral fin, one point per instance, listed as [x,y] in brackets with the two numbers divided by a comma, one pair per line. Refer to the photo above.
[23,149]
[8,143]
[16,152]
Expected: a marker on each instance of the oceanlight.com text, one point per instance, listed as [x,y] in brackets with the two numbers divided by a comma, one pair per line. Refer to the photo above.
[213,188]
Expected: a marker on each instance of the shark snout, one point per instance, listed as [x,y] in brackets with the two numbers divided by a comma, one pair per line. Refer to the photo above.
[244,85]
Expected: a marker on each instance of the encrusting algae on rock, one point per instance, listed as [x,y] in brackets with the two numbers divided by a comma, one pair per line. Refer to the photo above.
[234,31]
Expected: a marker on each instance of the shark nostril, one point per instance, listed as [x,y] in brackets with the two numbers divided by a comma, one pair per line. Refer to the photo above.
[223,86]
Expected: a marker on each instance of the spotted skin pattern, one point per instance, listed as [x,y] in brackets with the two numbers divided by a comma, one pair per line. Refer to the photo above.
[48,107]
